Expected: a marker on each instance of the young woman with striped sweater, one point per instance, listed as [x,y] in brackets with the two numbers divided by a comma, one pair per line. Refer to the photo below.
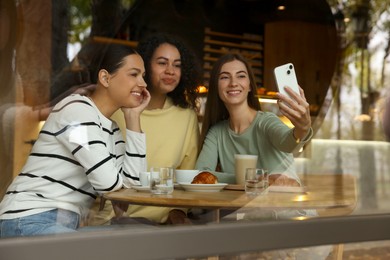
[80,153]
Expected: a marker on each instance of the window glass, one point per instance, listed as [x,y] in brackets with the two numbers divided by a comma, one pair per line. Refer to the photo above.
[48,50]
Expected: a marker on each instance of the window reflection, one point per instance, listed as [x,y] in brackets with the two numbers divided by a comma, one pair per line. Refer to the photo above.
[347,141]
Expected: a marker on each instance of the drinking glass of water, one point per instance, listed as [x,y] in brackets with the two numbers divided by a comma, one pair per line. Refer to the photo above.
[161,180]
[256,181]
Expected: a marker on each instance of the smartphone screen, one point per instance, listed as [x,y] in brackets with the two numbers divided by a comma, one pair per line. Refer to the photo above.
[285,76]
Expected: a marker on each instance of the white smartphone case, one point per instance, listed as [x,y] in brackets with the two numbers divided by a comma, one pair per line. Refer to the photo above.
[285,76]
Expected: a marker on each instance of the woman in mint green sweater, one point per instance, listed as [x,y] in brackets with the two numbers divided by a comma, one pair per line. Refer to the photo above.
[234,124]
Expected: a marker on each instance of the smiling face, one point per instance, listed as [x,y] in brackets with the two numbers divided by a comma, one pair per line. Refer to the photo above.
[127,84]
[233,83]
[165,69]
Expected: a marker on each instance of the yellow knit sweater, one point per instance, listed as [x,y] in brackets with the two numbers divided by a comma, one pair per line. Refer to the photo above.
[172,135]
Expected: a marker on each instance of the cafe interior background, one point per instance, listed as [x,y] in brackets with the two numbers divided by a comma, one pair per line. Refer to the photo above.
[339,48]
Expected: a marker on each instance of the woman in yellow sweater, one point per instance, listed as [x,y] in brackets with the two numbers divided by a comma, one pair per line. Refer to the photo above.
[170,120]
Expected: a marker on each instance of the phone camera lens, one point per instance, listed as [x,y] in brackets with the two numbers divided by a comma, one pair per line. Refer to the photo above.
[291,67]
[288,72]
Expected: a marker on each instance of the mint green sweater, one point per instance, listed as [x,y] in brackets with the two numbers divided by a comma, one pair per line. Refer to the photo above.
[267,136]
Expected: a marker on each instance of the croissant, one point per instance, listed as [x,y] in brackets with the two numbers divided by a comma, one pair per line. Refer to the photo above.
[205,178]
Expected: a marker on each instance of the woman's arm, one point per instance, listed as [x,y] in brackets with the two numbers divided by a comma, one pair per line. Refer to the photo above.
[43,111]
[296,109]
[134,160]
[208,157]
[191,153]
[280,135]
[108,162]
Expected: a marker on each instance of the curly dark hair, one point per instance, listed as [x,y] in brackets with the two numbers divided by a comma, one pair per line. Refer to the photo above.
[184,95]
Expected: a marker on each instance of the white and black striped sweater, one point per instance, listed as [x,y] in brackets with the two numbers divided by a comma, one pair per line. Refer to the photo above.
[78,155]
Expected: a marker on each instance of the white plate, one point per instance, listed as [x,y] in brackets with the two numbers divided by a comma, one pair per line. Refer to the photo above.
[141,188]
[202,187]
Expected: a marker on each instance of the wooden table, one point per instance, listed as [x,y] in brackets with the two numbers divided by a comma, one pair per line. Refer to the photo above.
[330,194]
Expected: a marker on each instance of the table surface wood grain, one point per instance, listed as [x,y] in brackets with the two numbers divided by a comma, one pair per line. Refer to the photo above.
[323,191]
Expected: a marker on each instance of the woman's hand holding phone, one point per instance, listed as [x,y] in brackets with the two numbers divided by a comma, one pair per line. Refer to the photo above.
[292,102]
[285,77]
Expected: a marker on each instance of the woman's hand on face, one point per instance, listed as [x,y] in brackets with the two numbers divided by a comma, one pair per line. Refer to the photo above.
[138,110]
[146,99]
[296,109]
[132,115]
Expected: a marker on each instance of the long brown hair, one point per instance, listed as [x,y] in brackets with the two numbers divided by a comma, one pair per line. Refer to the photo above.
[215,110]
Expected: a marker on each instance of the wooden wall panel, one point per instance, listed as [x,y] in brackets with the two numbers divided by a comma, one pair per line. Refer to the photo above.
[312,48]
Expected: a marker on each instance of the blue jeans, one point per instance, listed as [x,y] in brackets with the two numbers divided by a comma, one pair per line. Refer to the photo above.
[49,222]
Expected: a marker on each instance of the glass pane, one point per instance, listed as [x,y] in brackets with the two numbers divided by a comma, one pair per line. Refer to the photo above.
[366,250]
[49,50]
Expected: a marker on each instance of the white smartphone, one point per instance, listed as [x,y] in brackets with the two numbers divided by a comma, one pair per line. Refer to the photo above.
[285,76]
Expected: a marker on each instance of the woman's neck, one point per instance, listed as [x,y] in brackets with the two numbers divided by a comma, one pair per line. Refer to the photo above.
[240,119]
[103,104]
[157,101]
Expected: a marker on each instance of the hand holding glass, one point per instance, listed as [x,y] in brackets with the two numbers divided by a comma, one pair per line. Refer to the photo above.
[256,181]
